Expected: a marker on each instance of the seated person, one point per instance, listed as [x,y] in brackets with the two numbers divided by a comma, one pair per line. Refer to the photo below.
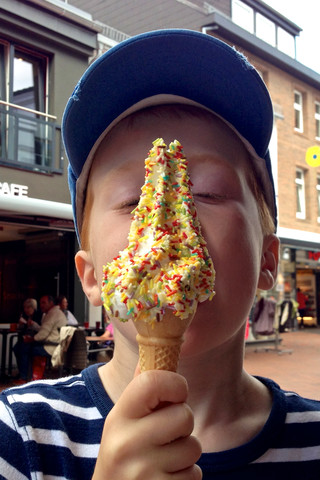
[63,304]
[30,319]
[28,324]
[45,340]
[106,337]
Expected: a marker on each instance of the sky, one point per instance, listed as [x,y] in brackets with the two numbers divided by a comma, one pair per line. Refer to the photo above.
[305,14]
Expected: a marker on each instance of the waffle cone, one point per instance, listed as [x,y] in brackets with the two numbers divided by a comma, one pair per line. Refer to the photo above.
[160,343]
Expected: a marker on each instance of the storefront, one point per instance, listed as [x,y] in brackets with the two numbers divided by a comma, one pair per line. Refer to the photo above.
[37,245]
[300,268]
[37,248]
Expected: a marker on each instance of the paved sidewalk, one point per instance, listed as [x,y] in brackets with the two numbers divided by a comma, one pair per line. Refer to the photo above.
[298,371]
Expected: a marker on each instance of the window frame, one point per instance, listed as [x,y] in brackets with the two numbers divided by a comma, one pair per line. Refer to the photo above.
[300,198]
[262,26]
[318,197]
[298,109]
[265,29]
[30,138]
[243,15]
[317,119]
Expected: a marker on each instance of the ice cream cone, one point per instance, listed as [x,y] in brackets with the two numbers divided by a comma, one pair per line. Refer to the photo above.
[160,342]
[166,270]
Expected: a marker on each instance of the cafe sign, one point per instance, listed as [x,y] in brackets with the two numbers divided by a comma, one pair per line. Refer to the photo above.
[13,190]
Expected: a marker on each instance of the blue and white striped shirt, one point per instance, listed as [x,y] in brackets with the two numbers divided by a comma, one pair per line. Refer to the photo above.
[51,430]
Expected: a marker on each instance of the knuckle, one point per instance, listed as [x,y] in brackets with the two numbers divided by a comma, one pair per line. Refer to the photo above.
[196,449]
[188,418]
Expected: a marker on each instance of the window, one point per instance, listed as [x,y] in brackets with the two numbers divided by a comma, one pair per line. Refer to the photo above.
[300,194]
[2,97]
[265,29]
[298,111]
[29,137]
[286,43]
[243,15]
[317,118]
[318,197]
[28,87]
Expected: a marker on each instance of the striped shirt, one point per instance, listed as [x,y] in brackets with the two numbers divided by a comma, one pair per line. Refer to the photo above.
[51,430]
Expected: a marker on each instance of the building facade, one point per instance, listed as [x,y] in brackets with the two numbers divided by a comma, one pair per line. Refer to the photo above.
[55,40]
[44,49]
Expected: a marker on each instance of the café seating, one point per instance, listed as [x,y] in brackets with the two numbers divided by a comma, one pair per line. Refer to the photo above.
[76,356]
[79,354]
[100,352]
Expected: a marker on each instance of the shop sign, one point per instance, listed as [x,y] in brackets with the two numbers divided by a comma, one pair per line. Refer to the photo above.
[13,190]
[314,256]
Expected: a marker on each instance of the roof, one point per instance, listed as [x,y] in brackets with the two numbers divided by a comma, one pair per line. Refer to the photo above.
[137,16]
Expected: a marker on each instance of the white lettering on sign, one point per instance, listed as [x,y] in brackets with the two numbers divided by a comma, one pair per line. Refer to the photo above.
[13,189]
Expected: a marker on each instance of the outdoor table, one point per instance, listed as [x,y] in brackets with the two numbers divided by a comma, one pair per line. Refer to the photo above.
[90,330]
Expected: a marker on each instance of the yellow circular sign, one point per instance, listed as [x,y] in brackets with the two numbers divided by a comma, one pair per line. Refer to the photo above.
[313,156]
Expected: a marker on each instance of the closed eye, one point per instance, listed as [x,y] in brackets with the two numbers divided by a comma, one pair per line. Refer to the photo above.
[210,197]
[127,205]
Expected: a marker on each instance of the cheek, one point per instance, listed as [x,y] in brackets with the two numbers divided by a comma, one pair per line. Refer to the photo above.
[234,243]
[108,237]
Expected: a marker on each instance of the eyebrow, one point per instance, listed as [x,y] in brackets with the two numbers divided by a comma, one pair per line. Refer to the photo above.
[212,159]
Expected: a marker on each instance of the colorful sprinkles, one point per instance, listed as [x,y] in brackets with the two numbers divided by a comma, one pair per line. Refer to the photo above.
[166,264]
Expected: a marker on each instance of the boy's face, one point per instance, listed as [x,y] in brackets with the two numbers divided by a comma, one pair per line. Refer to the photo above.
[218,165]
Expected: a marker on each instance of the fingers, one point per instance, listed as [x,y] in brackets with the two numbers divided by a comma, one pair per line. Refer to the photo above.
[148,432]
[149,390]
[179,423]
[192,473]
[180,455]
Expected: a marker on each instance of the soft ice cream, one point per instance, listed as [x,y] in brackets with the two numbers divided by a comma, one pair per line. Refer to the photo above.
[166,269]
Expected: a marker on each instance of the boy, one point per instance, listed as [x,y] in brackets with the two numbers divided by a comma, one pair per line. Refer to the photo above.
[211,419]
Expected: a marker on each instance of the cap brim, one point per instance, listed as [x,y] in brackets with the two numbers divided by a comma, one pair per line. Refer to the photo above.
[177,62]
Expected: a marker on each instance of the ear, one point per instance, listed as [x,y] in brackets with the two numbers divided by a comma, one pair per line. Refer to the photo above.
[86,272]
[269,262]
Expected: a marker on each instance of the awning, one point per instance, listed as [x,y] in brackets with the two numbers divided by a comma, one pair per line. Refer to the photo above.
[299,238]
[35,211]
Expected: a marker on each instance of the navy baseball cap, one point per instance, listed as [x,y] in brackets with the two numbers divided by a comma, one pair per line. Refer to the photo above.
[161,67]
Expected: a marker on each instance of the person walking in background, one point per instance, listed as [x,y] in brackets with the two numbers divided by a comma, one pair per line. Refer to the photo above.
[302,306]
[63,304]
